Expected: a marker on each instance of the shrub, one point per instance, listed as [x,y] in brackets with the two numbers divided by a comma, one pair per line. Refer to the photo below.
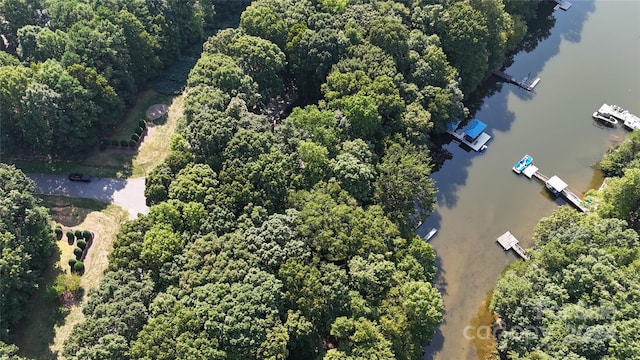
[87,235]
[78,267]
[115,142]
[78,234]
[142,124]
[78,253]
[72,262]
[66,282]
[133,143]
[70,237]
[81,244]
[139,131]
[124,143]
[135,137]
[58,232]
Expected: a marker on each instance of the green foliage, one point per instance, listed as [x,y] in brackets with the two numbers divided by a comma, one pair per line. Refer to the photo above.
[625,155]
[403,187]
[114,314]
[78,252]
[26,243]
[159,245]
[174,79]
[78,234]
[66,282]
[9,352]
[70,236]
[78,267]
[81,244]
[279,238]
[87,235]
[573,298]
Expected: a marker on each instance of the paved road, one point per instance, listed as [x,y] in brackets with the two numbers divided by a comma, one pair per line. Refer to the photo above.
[128,193]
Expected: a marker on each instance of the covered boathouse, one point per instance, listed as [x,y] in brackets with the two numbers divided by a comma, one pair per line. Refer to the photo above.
[472,135]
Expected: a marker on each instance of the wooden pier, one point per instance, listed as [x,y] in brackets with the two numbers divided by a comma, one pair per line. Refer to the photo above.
[524,83]
[555,185]
[508,241]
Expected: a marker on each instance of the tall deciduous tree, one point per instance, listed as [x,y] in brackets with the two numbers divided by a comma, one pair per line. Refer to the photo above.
[403,187]
[26,242]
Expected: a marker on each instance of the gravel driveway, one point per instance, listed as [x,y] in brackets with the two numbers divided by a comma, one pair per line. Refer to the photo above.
[128,193]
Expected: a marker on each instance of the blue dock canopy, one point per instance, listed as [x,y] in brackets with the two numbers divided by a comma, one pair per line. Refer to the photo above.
[475,128]
[453,125]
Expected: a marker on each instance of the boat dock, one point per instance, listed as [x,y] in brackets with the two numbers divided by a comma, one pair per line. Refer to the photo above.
[562,5]
[524,83]
[555,185]
[472,135]
[508,241]
[629,120]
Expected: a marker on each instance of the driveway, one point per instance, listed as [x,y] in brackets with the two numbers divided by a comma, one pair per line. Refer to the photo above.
[128,193]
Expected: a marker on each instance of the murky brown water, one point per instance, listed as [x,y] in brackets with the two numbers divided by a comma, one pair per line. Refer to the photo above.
[591,56]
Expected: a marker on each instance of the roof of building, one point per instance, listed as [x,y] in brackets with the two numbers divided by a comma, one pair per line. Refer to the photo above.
[556,183]
[453,125]
[474,128]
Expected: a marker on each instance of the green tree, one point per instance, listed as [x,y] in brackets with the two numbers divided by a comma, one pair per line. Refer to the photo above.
[354,170]
[26,242]
[262,60]
[314,161]
[362,116]
[403,187]
[465,34]
[160,245]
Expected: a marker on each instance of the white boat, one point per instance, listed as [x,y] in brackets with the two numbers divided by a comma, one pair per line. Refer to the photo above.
[606,119]
[430,234]
[628,119]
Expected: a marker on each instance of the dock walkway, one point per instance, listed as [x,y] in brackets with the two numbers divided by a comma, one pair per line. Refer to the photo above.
[508,241]
[562,5]
[556,185]
[524,83]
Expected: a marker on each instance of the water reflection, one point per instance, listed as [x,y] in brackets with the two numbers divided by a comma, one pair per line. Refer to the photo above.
[479,197]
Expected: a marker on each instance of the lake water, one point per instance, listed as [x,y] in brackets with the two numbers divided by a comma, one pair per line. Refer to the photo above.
[591,56]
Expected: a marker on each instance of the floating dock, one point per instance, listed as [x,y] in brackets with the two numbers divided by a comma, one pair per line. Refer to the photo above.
[524,83]
[562,5]
[508,241]
[629,120]
[556,185]
[472,135]
[431,234]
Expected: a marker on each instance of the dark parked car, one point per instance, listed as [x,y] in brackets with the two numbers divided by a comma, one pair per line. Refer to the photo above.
[79,177]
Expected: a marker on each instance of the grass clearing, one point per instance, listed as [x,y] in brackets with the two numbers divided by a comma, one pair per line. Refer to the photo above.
[155,147]
[42,333]
[138,112]
[118,163]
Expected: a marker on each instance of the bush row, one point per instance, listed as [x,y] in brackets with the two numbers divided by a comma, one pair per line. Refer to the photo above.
[132,142]
[83,240]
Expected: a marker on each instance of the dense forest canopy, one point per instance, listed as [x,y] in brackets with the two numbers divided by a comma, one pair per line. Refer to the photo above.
[579,296]
[26,242]
[271,234]
[70,66]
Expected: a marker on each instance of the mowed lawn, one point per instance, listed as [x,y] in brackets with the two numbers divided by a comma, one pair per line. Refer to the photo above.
[42,332]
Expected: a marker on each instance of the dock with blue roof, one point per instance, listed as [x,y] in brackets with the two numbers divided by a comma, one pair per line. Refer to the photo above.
[472,135]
